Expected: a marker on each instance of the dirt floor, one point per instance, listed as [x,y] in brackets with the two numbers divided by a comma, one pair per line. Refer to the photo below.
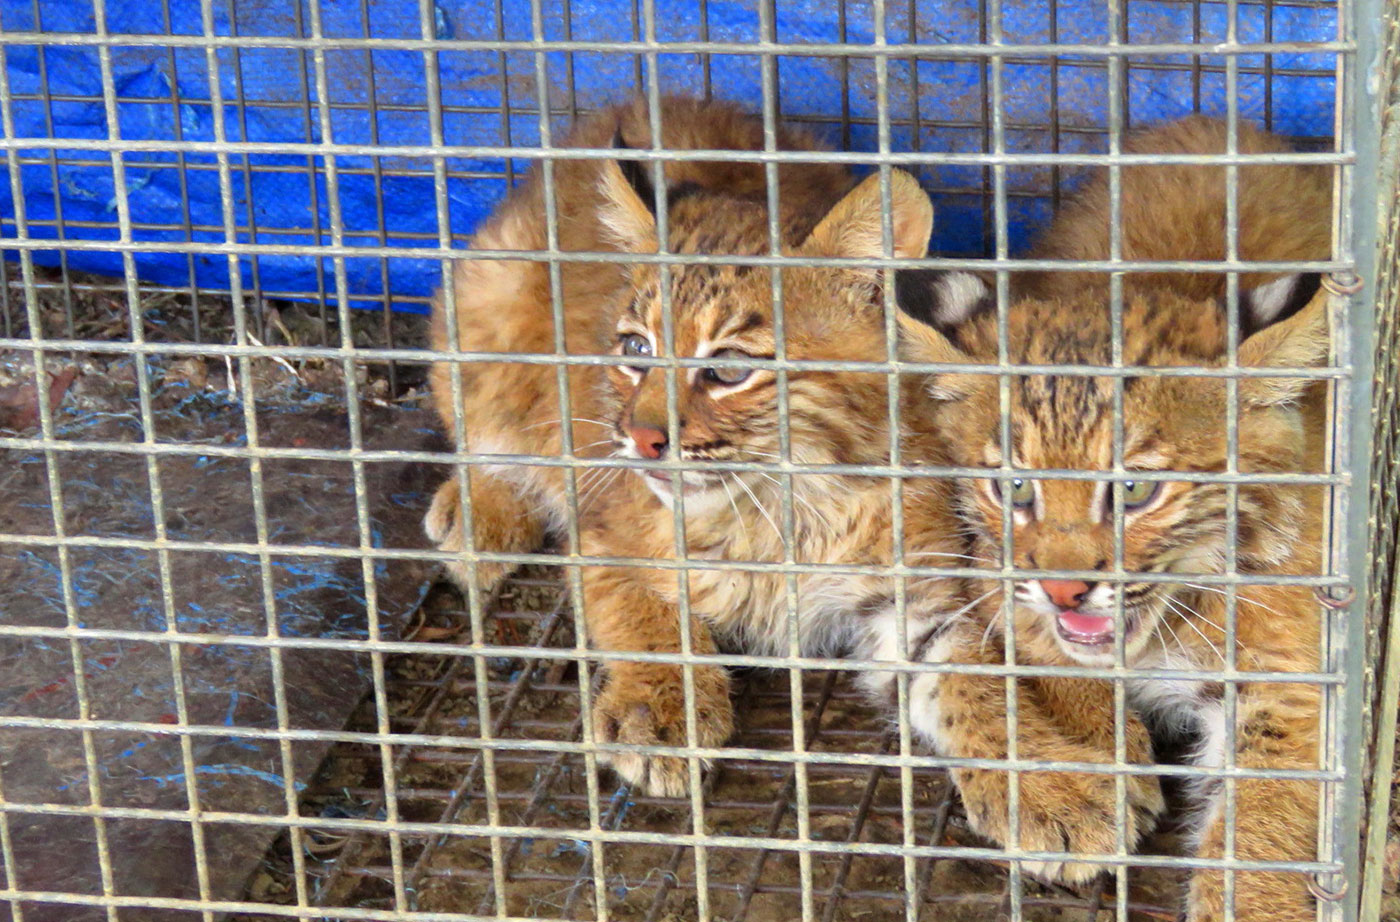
[552,875]
[128,472]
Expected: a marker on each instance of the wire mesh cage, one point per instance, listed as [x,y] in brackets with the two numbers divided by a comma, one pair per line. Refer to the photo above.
[1381,606]
[234,683]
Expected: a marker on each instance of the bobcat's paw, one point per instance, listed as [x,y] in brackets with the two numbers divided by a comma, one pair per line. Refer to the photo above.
[1259,896]
[1074,812]
[645,705]
[443,526]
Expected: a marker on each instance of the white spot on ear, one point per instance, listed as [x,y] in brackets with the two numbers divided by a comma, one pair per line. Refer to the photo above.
[1268,300]
[960,293]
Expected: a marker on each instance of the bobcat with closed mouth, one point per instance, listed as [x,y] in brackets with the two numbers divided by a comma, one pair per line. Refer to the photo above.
[1172,529]
[724,412]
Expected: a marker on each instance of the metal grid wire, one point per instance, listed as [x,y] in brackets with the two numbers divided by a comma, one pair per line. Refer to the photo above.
[466,784]
[535,699]
[1383,606]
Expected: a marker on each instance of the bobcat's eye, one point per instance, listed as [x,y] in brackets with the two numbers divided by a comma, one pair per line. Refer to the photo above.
[1022,492]
[635,344]
[726,375]
[1138,493]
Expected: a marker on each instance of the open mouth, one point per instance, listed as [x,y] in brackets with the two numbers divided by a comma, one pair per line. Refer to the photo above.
[1088,630]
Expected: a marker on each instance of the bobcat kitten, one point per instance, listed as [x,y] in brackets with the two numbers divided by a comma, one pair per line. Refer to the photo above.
[1063,421]
[724,413]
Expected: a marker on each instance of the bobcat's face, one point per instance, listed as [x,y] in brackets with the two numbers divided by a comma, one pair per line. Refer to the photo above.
[1065,423]
[730,412]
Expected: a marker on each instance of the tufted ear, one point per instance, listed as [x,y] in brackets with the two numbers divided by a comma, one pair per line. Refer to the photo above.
[854,227]
[629,202]
[933,303]
[1283,324]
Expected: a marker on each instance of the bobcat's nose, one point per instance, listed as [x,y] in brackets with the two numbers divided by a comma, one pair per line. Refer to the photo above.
[1067,594]
[650,441]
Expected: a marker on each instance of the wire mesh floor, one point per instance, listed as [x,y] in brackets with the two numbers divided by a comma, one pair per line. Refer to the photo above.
[537,698]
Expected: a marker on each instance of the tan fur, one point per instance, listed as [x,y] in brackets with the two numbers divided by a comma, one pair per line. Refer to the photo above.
[505,306]
[1172,424]
[836,418]
[1284,213]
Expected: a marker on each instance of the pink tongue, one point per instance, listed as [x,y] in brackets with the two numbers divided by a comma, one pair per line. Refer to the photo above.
[1079,623]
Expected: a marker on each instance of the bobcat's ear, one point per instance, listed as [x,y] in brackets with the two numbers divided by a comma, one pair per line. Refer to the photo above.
[854,227]
[933,303]
[1283,324]
[629,202]
[942,299]
[1276,301]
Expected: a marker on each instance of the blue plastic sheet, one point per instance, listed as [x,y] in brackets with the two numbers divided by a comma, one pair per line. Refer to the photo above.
[163,93]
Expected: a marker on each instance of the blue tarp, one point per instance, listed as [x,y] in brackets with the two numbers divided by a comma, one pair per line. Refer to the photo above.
[489,98]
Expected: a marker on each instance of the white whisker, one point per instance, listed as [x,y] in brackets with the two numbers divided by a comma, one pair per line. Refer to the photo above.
[724,482]
[555,422]
[758,505]
[1196,614]
[820,516]
[972,557]
[1222,592]
[987,633]
[970,605]
[1175,636]
[993,621]
[1184,610]
[597,488]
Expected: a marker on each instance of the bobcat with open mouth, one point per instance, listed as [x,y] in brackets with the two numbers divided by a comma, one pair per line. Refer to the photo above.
[1177,534]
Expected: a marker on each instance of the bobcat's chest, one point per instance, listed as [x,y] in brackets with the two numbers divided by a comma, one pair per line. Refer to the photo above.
[752,610]
[752,607]
[1185,710]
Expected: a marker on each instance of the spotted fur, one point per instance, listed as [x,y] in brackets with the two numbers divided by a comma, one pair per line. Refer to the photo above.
[834,418]
[1169,424]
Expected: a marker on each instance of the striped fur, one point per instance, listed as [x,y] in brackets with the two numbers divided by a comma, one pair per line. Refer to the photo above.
[833,418]
[1171,424]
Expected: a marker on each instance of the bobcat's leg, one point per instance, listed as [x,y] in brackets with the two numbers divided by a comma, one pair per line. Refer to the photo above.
[503,520]
[644,703]
[1275,819]
[1068,720]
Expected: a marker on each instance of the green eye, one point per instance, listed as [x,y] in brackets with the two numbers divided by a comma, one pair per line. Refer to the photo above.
[729,375]
[1022,492]
[1138,493]
[635,344]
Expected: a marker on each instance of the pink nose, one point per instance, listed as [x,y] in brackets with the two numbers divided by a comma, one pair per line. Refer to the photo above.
[650,441]
[1066,593]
